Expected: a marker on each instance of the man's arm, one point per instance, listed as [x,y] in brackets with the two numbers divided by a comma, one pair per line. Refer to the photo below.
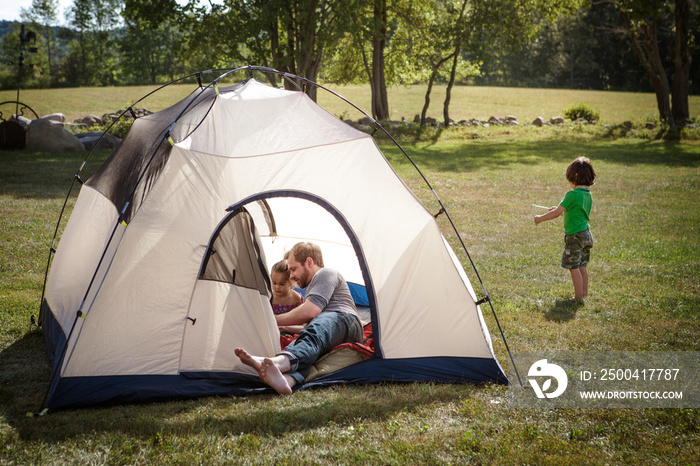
[553,213]
[302,314]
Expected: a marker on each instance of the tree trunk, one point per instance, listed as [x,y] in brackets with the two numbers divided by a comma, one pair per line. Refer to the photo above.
[48,49]
[380,101]
[680,86]
[427,97]
[651,62]
[431,80]
[307,49]
[659,79]
[448,91]
[275,49]
[455,60]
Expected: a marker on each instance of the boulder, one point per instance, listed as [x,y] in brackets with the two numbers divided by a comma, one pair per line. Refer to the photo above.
[539,121]
[628,124]
[91,140]
[44,135]
[55,117]
[24,121]
[557,120]
[110,117]
[89,120]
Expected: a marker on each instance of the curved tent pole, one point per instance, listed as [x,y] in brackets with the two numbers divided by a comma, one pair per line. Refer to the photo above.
[59,361]
[52,248]
[487,297]
[227,71]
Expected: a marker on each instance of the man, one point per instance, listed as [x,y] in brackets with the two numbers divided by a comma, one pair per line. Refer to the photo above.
[329,311]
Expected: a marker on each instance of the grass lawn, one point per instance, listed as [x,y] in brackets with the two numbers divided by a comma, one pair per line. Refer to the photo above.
[645,295]
[404,101]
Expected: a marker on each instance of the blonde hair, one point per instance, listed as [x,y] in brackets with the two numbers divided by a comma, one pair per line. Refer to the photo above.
[301,251]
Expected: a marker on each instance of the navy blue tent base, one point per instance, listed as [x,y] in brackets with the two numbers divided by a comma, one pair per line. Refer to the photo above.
[437,369]
[74,392]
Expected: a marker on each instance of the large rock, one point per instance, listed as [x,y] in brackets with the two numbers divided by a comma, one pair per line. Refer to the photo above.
[55,117]
[539,121]
[91,140]
[89,120]
[44,135]
[24,121]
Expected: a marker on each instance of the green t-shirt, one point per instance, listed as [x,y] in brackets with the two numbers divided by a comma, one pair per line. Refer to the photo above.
[577,205]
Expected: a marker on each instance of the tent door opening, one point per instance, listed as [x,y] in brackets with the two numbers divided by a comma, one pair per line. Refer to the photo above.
[230,305]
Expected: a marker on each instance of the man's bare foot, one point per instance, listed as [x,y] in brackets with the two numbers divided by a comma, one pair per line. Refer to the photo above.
[271,375]
[249,360]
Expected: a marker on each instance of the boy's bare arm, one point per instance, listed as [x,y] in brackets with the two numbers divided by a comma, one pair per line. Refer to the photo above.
[553,213]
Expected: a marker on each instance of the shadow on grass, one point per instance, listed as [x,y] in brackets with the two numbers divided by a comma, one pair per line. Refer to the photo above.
[44,175]
[502,153]
[563,310]
[24,370]
[25,379]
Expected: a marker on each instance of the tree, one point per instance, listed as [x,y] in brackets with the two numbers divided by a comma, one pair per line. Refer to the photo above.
[376,48]
[20,65]
[641,23]
[377,76]
[147,55]
[93,21]
[459,35]
[489,28]
[289,35]
[43,13]
[584,50]
[680,87]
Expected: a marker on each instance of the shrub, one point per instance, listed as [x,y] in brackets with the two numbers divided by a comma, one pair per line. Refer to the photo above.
[119,129]
[581,111]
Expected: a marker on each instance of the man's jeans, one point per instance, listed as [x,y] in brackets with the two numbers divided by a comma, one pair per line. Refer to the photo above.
[326,331]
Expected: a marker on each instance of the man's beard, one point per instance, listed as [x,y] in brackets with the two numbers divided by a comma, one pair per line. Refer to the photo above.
[303,281]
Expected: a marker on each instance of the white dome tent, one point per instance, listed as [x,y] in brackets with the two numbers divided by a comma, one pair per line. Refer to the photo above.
[163,267]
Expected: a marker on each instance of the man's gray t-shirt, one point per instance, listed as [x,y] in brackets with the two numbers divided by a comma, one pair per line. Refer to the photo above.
[329,291]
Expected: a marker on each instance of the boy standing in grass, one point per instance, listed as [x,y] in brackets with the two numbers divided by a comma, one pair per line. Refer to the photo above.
[576,207]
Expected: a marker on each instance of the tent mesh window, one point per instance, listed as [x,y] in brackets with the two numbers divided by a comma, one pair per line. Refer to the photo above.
[234,255]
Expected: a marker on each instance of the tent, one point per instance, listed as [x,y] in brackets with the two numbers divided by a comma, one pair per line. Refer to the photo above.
[163,267]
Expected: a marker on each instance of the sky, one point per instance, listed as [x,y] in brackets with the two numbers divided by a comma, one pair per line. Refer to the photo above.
[9,9]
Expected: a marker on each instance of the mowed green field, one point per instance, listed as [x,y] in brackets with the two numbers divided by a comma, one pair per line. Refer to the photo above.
[404,102]
[644,296]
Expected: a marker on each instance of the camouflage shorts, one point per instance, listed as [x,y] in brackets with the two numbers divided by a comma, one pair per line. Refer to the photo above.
[577,249]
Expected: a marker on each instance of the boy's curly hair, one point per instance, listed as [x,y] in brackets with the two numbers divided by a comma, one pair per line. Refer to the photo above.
[580,172]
